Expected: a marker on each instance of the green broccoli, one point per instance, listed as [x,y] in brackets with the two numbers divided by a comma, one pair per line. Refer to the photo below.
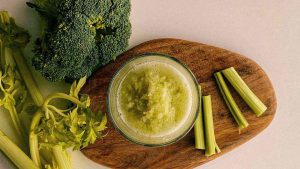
[79,36]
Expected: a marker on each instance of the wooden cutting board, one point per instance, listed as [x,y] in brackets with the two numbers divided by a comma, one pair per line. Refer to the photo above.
[116,152]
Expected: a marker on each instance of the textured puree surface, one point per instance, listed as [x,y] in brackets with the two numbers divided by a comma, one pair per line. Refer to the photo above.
[153,98]
[204,60]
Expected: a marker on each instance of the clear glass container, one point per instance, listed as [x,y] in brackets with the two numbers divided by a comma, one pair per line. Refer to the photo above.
[149,140]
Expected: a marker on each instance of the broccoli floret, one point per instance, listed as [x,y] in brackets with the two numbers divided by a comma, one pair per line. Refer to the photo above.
[80,36]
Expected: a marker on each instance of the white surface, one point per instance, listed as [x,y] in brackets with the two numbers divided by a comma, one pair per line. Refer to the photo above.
[267,31]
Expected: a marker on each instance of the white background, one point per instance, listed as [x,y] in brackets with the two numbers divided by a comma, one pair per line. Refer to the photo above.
[267,31]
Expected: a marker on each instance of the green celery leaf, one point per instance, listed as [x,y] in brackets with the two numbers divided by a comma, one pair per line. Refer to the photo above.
[75,88]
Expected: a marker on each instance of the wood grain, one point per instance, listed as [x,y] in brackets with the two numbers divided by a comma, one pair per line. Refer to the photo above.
[116,152]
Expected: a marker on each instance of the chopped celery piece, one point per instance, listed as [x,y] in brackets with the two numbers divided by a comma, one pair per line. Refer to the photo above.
[241,87]
[210,140]
[15,154]
[198,127]
[232,106]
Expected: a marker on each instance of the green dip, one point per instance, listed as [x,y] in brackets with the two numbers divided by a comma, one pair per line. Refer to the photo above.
[153,98]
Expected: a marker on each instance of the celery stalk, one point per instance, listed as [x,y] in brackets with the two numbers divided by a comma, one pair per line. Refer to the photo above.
[27,77]
[231,104]
[16,120]
[50,152]
[6,57]
[38,100]
[47,158]
[210,140]
[5,54]
[13,152]
[61,157]
[198,127]
[33,139]
[241,87]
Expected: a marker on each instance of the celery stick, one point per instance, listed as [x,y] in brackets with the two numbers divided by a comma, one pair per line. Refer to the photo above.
[210,140]
[8,99]
[232,106]
[27,77]
[33,139]
[198,127]
[241,87]
[5,54]
[15,154]
[61,157]
[15,119]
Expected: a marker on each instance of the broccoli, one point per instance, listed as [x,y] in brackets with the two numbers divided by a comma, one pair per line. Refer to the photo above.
[79,36]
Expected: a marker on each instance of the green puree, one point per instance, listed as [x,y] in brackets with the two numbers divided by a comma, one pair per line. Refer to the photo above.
[153,98]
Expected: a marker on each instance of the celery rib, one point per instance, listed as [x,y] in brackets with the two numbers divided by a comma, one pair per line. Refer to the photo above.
[210,140]
[241,87]
[16,121]
[27,77]
[33,139]
[198,127]
[231,104]
[6,57]
[61,157]
[13,152]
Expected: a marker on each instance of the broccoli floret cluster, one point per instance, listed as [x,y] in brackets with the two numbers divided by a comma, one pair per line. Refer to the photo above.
[79,36]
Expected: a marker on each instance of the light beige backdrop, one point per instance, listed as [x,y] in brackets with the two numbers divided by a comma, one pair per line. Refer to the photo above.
[267,31]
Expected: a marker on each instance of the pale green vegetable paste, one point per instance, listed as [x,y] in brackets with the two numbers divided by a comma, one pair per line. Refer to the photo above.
[153,98]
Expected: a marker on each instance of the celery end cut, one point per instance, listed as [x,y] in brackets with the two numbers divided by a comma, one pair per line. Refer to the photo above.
[218,150]
[198,127]
[245,92]
[231,104]
[210,140]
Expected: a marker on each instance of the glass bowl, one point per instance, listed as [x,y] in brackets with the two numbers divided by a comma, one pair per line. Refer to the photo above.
[147,139]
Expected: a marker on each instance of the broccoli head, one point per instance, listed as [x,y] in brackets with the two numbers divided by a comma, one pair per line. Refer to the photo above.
[79,36]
